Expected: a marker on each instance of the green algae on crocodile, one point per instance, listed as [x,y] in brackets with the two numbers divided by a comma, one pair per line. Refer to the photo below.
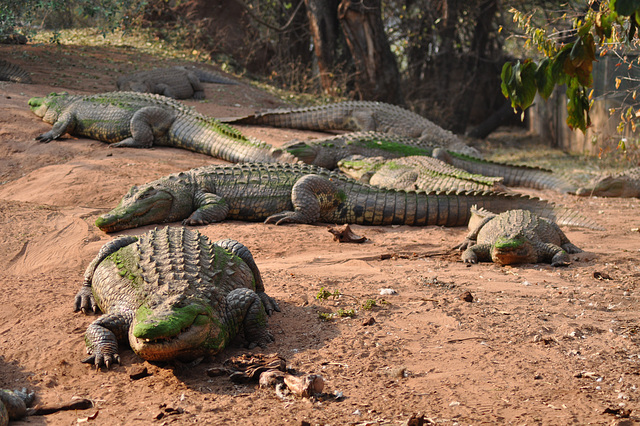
[140,120]
[298,193]
[328,152]
[180,297]
[513,237]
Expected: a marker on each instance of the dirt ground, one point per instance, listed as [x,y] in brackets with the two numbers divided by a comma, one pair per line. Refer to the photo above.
[537,345]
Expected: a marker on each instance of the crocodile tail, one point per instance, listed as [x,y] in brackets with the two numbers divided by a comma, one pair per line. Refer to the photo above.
[12,72]
[497,202]
[514,175]
[209,77]
[453,208]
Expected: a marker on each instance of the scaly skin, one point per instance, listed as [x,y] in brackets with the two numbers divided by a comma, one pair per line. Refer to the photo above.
[328,152]
[513,237]
[13,404]
[624,184]
[359,116]
[12,72]
[416,172]
[172,294]
[174,82]
[296,193]
[140,120]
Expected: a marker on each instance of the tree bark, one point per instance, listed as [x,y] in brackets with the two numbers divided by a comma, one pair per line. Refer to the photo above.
[377,75]
[325,30]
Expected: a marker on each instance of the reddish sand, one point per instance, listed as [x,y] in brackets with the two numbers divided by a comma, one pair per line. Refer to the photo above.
[537,345]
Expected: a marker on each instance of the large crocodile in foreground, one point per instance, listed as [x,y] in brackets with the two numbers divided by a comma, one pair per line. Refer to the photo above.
[140,120]
[328,152]
[172,293]
[359,116]
[298,193]
[515,236]
[175,82]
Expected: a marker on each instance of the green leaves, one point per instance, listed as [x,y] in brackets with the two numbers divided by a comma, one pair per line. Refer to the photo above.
[519,83]
[572,65]
[625,7]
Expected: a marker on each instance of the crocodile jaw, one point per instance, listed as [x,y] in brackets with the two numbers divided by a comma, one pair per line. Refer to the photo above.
[134,211]
[610,187]
[38,106]
[189,343]
[510,251]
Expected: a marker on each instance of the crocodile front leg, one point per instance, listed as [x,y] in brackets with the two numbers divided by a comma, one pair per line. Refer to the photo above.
[64,124]
[210,208]
[147,124]
[245,309]
[102,338]
[477,253]
[312,196]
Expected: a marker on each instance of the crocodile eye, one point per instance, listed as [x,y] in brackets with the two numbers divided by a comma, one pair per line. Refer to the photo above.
[147,192]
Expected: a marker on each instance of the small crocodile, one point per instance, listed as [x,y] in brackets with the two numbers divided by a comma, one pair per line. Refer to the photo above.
[623,184]
[175,82]
[140,120]
[14,73]
[13,404]
[172,294]
[327,152]
[417,172]
[299,193]
[515,236]
[358,116]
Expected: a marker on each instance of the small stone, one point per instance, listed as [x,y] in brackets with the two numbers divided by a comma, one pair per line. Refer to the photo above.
[139,372]
[369,321]
[467,296]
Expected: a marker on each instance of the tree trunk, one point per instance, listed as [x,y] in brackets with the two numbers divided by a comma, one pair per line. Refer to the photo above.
[377,75]
[325,30]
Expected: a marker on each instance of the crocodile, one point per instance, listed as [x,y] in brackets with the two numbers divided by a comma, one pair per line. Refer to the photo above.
[172,294]
[14,73]
[140,120]
[327,152]
[299,193]
[175,82]
[13,404]
[417,172]
[515,236]
[358,116]
[623,184]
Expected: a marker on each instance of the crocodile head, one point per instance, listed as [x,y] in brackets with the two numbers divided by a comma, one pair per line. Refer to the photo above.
[513,249]
[615,186]
[49,107]
[161,332]
[154,202]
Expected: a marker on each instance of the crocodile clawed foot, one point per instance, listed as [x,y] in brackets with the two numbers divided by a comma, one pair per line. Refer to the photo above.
[102,360]
[44,138]
[285,217]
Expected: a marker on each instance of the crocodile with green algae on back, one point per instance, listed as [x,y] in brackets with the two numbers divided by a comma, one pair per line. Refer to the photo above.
[416,172]
[172,294]
[327,152]
[515,236]
[175,82]
[140,120]
[299,193]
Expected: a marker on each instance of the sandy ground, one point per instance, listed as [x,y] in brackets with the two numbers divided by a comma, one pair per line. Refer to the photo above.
[537,345]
